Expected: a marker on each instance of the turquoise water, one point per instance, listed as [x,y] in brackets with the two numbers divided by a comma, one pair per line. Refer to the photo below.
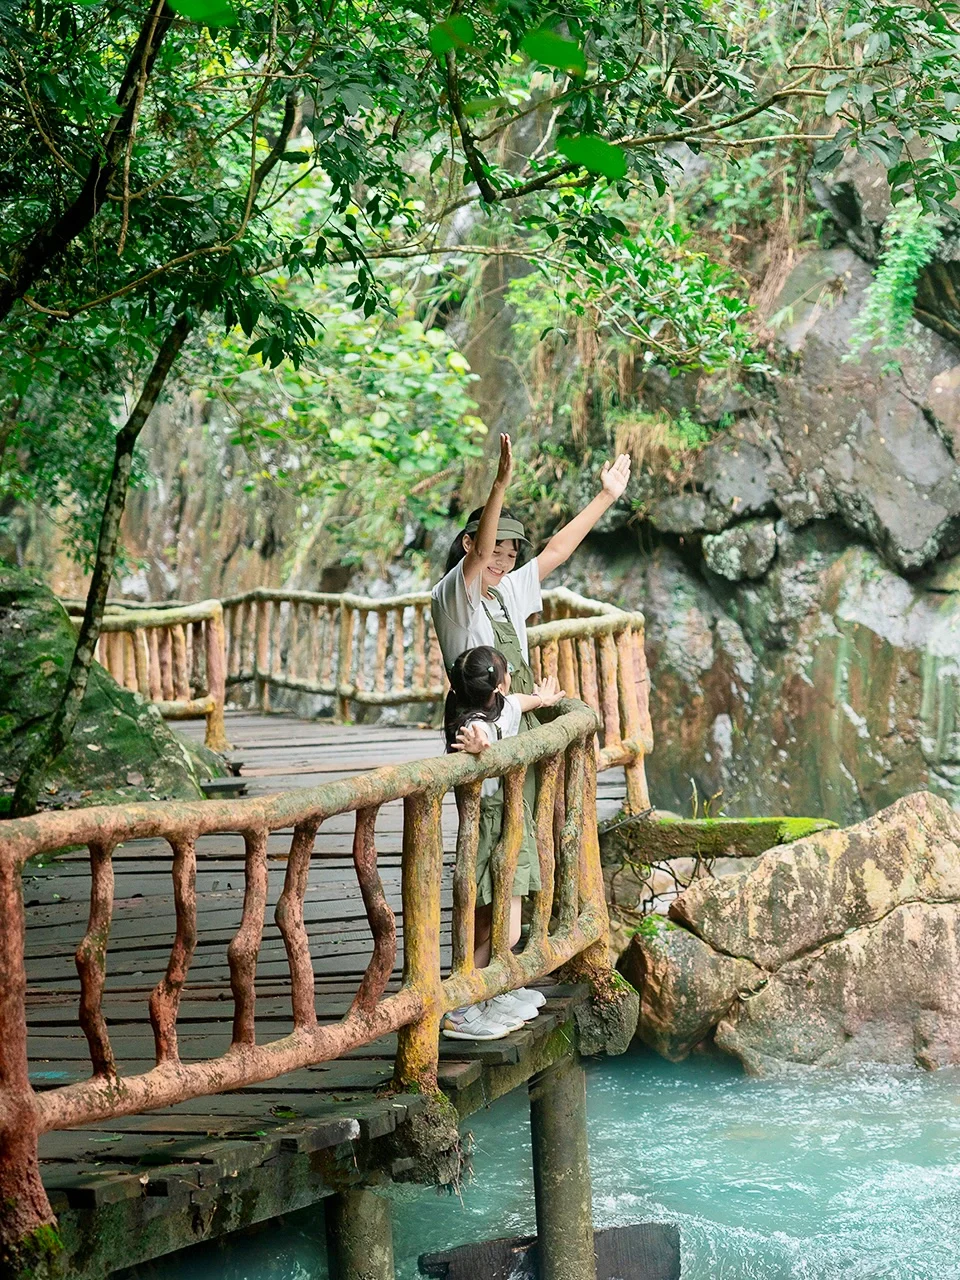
[852,1174]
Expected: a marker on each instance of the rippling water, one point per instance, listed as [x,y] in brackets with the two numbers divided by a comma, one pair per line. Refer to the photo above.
[852,1174]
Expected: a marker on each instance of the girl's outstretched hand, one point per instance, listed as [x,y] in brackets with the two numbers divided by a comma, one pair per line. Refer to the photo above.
[505,469]
[549,691]
[471,738]
[615,475]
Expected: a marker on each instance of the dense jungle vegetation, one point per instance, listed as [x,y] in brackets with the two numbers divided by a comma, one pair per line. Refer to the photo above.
[288,208]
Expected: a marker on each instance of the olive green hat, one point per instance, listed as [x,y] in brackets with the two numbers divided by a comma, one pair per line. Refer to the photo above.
[506,529]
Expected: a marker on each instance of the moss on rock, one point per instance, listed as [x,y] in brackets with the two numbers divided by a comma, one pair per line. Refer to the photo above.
[121,748]
[657,839]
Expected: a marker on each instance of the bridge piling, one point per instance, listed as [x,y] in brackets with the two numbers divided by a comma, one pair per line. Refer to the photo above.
[359,1236]
[561,1172]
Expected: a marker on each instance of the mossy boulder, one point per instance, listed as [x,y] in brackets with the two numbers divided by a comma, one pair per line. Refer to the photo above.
[121,748]
[843,947]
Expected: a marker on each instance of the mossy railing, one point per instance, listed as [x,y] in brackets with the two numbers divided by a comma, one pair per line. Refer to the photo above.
[368,652]
[174,656]
[569,921]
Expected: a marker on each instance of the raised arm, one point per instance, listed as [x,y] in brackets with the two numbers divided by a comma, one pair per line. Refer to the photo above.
[565,541]
[482,546]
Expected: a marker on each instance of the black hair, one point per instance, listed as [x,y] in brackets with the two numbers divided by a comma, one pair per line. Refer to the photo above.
[458,551]
[474,692]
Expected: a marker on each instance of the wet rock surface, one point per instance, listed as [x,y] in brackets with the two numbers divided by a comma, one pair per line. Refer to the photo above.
[843,947]
[121,747]
[829,687]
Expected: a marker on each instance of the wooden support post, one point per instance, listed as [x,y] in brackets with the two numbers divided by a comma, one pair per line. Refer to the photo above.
[359,1236]
[561,1172]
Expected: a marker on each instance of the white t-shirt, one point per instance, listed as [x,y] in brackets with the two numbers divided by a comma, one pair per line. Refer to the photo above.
[508,722]
[459,616]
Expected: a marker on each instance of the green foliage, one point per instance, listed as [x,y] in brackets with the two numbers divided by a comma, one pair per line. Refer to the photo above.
[910,239]
[369,430]
[260,147]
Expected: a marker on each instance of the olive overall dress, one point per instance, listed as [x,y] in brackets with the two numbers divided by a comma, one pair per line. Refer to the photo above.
[527,878]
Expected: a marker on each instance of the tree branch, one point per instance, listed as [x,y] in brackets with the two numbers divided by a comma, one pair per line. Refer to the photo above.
[52,239]
[475,160]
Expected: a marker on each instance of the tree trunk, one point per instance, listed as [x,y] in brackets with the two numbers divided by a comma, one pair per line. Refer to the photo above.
[64,718]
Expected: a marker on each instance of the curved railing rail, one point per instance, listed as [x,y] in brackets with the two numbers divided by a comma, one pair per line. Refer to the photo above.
[173,655]
[569,918]
[383,652]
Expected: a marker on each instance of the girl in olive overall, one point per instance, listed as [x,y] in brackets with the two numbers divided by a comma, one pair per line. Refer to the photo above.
[484,598]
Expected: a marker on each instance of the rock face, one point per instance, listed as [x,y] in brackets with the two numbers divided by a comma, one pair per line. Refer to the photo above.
[745,551]
[121,747]
[829,687]
[843,947]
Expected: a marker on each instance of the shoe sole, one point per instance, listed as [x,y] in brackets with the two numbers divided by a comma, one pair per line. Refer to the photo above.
[474,1035]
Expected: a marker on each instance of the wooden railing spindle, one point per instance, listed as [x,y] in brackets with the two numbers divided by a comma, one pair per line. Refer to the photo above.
[244,948]
[380,917]
[91,961]
[165,997]
[288,914]
[503,862]
[465,877]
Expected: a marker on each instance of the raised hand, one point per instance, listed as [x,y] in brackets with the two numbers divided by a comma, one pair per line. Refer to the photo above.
[549,691]
[505,469]
[471,738]
[615,475]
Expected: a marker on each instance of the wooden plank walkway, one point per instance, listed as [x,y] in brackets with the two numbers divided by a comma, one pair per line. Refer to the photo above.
[171,1177]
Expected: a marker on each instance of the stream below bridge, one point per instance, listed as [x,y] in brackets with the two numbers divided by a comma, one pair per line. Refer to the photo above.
[844,1173]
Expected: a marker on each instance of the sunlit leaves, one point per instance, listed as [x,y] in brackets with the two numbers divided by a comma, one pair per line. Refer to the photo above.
[212,13]
[456,32]
[595,155]
[555,51]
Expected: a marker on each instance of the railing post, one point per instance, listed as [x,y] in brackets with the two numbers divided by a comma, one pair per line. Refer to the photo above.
[27,1223]
[417,1043]
[344,662]
[638,797]
[216,735]
[261,667]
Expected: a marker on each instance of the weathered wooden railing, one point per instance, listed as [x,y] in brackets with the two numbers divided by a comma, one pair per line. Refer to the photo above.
[384,652]
[173,655]
[569,919]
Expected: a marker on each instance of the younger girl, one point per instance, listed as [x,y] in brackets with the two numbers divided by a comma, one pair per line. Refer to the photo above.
[480,710]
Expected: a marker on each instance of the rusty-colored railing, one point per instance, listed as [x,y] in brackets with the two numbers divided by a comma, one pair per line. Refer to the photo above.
[356,649]
[596,652]
[384,652]
[173,656]
[569,919]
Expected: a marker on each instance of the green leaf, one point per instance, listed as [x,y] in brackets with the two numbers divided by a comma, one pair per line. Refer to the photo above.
[453,33]
[555,51]
[835,99]
[212,13]
[594,154]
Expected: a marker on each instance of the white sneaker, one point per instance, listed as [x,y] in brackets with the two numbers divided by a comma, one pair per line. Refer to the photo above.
[530,996]
[512,1004]
[479,1022]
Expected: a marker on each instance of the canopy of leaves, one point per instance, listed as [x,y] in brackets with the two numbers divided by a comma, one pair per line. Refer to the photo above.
[162,160]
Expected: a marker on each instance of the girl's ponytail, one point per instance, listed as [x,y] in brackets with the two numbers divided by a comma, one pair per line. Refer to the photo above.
[474,690]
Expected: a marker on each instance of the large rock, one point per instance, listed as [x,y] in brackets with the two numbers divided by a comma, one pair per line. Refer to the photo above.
[685,987]
[843,947]
[121,748]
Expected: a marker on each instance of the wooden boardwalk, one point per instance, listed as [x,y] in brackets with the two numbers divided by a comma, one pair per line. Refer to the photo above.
[134,1188]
